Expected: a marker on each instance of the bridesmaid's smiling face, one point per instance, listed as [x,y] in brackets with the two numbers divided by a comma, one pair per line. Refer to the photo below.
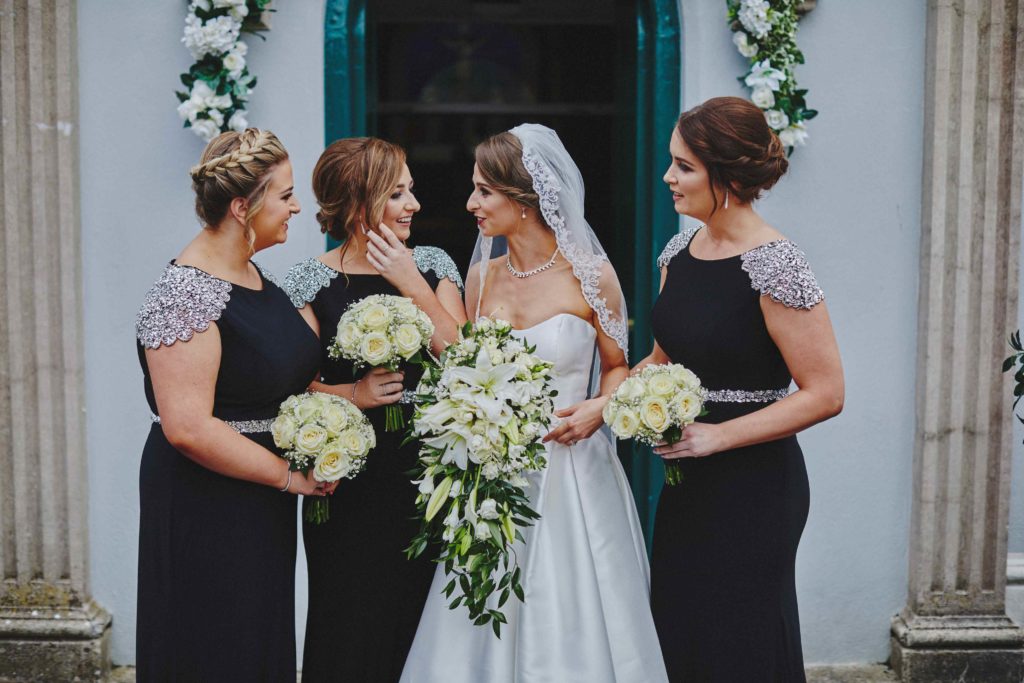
[495,213]
[687,177]
[279,204]
[401,206]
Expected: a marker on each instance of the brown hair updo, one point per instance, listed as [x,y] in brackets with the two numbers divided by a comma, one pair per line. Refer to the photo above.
[500,160]
[352,181]
[235,165]
[734,142]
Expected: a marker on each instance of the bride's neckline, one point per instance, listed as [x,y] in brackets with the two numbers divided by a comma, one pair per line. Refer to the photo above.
[547,320]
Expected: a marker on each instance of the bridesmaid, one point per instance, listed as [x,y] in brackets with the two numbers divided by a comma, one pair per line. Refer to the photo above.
[740,307]
[217,530]
[366,597]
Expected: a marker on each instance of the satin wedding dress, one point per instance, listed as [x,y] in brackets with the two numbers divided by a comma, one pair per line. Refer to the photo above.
[587,616]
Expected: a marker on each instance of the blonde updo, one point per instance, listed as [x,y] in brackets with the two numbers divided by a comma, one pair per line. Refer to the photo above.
[235,165]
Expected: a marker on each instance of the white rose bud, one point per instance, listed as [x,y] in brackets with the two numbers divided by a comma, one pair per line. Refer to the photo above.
[625,423]
[283,429]
[661,384]
[408,340]
[375,317]
[776,119]
[688,406]
[481,532]
[375,348]
[332,464]
[654,414]
[310,439]
[353,441]
[685,377]
[631,390]
[489,509]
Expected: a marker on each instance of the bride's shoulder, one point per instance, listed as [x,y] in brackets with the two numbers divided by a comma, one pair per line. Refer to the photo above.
[437,260]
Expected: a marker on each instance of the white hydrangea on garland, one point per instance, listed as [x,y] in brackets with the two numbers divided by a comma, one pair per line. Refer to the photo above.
[764,31]
[219,82]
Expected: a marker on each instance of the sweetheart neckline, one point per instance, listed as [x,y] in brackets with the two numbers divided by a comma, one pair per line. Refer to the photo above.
[547,320]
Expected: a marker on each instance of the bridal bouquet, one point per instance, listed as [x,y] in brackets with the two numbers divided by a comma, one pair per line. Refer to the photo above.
[654,406]
[480,415]
[383,330]
[324,433]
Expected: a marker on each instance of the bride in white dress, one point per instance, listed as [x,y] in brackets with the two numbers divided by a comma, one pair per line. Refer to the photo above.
[586,616]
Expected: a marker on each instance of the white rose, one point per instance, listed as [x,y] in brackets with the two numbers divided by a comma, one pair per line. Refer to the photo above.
[776,119]
[201,91]
[743,44]
[283,430]
[202,4]
[481,532]
[624,423]
[238,122]
[631,389]
[489,509]
[290,404]
[408,340]
[310,439]
[654,414]
[189,110]
[353,442]
[795,135]
[334,417]
[217,116]
[308,409]
[375,317]
[234,63]
[661,384]
[763,97]
[348,334]
[688,406]
[684,377]
[219,101]
[332,464]
[490,470]
[375,348]
[205,128]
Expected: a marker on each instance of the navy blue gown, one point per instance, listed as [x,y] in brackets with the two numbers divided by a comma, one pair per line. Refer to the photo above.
[725,540]
[216,554]
[365,597]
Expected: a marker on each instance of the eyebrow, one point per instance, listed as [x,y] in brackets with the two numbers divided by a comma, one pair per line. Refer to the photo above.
[289,189]
[683,161]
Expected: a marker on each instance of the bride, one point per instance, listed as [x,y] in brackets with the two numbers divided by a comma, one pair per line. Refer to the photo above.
[538,265]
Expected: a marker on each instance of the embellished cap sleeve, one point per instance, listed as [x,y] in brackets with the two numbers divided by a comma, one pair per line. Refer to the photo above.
[676,245]
[267,275]
[305,279]
[182,302]
[780,270]
[437,260]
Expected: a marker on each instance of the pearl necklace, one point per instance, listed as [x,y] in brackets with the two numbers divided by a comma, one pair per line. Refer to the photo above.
[521,274]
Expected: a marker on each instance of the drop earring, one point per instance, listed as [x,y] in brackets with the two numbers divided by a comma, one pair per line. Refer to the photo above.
[727,199]
[523,216]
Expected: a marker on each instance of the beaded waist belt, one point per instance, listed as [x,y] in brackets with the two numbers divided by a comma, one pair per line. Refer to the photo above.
[240,426]
[745,396]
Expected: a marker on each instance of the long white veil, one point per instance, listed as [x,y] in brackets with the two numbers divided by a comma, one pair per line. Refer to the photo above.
[559,185]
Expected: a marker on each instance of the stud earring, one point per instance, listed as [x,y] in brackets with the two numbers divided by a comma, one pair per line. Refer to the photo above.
[523,216]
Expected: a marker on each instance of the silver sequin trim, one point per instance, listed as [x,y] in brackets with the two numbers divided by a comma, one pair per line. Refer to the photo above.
[780,270]
[182,302]
[305,279]
[745,396]
[240,426]
[676,245]
[437,260]
[267,275]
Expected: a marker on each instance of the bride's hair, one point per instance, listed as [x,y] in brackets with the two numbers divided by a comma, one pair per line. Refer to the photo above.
[734,142]
[235,165]
[500,160]
[352,181]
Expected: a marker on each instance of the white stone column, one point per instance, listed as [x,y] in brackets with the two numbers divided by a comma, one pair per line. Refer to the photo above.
[50,629]
[954,627]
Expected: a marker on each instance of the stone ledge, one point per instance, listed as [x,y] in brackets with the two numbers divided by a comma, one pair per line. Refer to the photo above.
[957,632]
[42,644]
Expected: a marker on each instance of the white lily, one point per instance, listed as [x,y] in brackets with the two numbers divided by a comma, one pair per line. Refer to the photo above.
[486,386]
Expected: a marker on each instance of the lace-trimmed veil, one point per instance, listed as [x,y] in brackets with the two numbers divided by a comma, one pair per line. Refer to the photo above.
[559,185]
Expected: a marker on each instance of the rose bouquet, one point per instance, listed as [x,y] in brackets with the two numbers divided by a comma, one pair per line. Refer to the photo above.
[324,433]
[480,415]
[383,330]
[654,407]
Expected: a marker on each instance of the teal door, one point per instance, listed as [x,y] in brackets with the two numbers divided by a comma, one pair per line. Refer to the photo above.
[617,124]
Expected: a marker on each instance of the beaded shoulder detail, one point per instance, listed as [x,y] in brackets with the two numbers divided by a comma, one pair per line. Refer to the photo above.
[305,279]
[437,260]
[267,275]
[780,270]
[677,244]
[183,301]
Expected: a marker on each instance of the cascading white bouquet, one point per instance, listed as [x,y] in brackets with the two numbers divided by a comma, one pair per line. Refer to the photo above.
[654,406]
[480,416]
[324,433]
[383,330]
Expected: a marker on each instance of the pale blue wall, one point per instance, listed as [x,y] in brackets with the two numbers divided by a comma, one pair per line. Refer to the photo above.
[852,201]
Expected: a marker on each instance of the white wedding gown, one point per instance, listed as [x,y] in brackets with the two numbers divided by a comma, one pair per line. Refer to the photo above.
[587,615]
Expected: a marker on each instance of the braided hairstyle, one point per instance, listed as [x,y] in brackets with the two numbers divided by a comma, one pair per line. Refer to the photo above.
[734,142]
[500,160]
[235,165]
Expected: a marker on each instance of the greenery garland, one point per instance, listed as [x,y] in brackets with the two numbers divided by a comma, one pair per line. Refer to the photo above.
[764,31]
[219,83]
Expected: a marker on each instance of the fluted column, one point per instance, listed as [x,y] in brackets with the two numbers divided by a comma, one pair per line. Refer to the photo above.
[954,627]
[50,629]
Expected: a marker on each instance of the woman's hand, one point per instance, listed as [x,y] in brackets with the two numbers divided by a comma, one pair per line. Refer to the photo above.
[306,485]
[393,260]
[378,387]
[579,421]
[698,440]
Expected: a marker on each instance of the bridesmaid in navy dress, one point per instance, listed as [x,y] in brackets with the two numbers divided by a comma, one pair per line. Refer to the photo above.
[221,347]
[368,596]
[740,307]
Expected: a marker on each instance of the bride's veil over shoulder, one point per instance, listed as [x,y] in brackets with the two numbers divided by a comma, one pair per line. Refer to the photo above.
[559,185]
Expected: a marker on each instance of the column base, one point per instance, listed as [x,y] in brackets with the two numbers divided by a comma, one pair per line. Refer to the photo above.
[54,644]
[977,649]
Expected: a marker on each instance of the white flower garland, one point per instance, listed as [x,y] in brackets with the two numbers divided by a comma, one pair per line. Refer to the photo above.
[765,33]
[219,82]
